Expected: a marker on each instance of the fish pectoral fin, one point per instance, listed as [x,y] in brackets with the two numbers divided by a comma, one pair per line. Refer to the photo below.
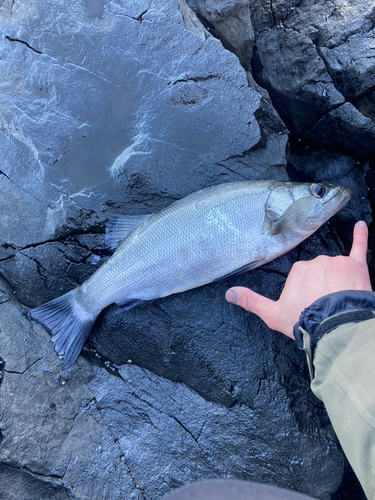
[293,218]
[272,216]
[119,226]
[243,269]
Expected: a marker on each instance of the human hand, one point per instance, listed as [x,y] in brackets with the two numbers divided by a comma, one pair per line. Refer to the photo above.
[307,282]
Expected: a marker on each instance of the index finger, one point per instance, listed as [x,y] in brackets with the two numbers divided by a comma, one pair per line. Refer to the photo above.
[359,247]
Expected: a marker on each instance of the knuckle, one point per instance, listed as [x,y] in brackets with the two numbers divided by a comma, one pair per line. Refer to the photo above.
[340,259]
[298,266]
[362,243]
[321,259]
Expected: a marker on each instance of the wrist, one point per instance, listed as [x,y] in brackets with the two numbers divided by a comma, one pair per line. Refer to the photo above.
[332,310]
[329,312]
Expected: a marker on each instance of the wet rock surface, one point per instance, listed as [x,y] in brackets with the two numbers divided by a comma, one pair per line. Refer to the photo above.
[315,60]
[88,432]
[231,23]
[124,107]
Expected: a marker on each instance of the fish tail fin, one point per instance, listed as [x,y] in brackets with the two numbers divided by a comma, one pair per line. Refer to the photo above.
[69,324]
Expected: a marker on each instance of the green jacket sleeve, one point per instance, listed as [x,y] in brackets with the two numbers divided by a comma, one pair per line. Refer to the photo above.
[344,379]
[337,333]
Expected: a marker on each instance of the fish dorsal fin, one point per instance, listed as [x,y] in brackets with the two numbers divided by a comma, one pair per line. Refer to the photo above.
[119,226]
[293,218]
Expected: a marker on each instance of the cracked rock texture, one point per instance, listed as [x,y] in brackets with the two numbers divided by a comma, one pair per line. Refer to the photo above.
[118,106]
[316,61]
[229,21]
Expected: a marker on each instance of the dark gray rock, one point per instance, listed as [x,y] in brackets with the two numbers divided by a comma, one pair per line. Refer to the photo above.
[16,484]
[41,271]
[328,24]
[288,65]
[50,427]
[193,348]
[214,437]
[314,57]
[346,130]
[230,22]
[87,432]
[352,66]
[366,105]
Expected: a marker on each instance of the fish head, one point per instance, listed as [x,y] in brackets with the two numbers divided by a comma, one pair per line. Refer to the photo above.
[301,208]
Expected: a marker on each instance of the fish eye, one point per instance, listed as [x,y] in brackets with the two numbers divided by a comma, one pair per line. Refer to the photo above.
[318,190]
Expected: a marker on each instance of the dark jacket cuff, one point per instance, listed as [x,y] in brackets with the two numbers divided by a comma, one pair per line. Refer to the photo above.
[330,311]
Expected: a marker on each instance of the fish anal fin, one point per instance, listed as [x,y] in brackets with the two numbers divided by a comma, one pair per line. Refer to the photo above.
[126,304]
[119,226]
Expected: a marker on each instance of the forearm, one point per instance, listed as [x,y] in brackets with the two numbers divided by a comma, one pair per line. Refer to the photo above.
[344,380]
[343,377]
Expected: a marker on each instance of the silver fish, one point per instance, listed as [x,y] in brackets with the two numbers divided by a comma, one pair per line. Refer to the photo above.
[208,235]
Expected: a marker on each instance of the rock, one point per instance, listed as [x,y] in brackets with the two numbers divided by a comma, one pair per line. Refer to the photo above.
[313,58]
[20,484]
[39,272]
[88,432]
[191,20]
[288,65]
[352,66]
[230,22]
[58,444]
[366,105]
[328,24]
[342,123]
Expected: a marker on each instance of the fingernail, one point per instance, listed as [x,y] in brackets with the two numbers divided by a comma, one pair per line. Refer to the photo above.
[231,297]
[361,223]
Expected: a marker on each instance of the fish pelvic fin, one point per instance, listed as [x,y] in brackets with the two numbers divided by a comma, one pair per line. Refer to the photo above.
[293,218]
[69,324]
[119,226]
[243,269]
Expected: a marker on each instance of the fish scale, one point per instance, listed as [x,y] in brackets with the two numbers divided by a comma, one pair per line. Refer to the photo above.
[199,239]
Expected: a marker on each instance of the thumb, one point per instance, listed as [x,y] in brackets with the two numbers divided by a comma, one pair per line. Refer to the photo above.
[359,247]
[252,302]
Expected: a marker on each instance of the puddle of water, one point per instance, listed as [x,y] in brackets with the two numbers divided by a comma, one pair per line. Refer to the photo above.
[109,132]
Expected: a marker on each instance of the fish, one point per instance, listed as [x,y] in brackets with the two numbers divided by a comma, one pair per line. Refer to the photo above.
[209,235]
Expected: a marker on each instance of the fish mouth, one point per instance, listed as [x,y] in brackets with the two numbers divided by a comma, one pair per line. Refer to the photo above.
[341,198]
[345,197]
